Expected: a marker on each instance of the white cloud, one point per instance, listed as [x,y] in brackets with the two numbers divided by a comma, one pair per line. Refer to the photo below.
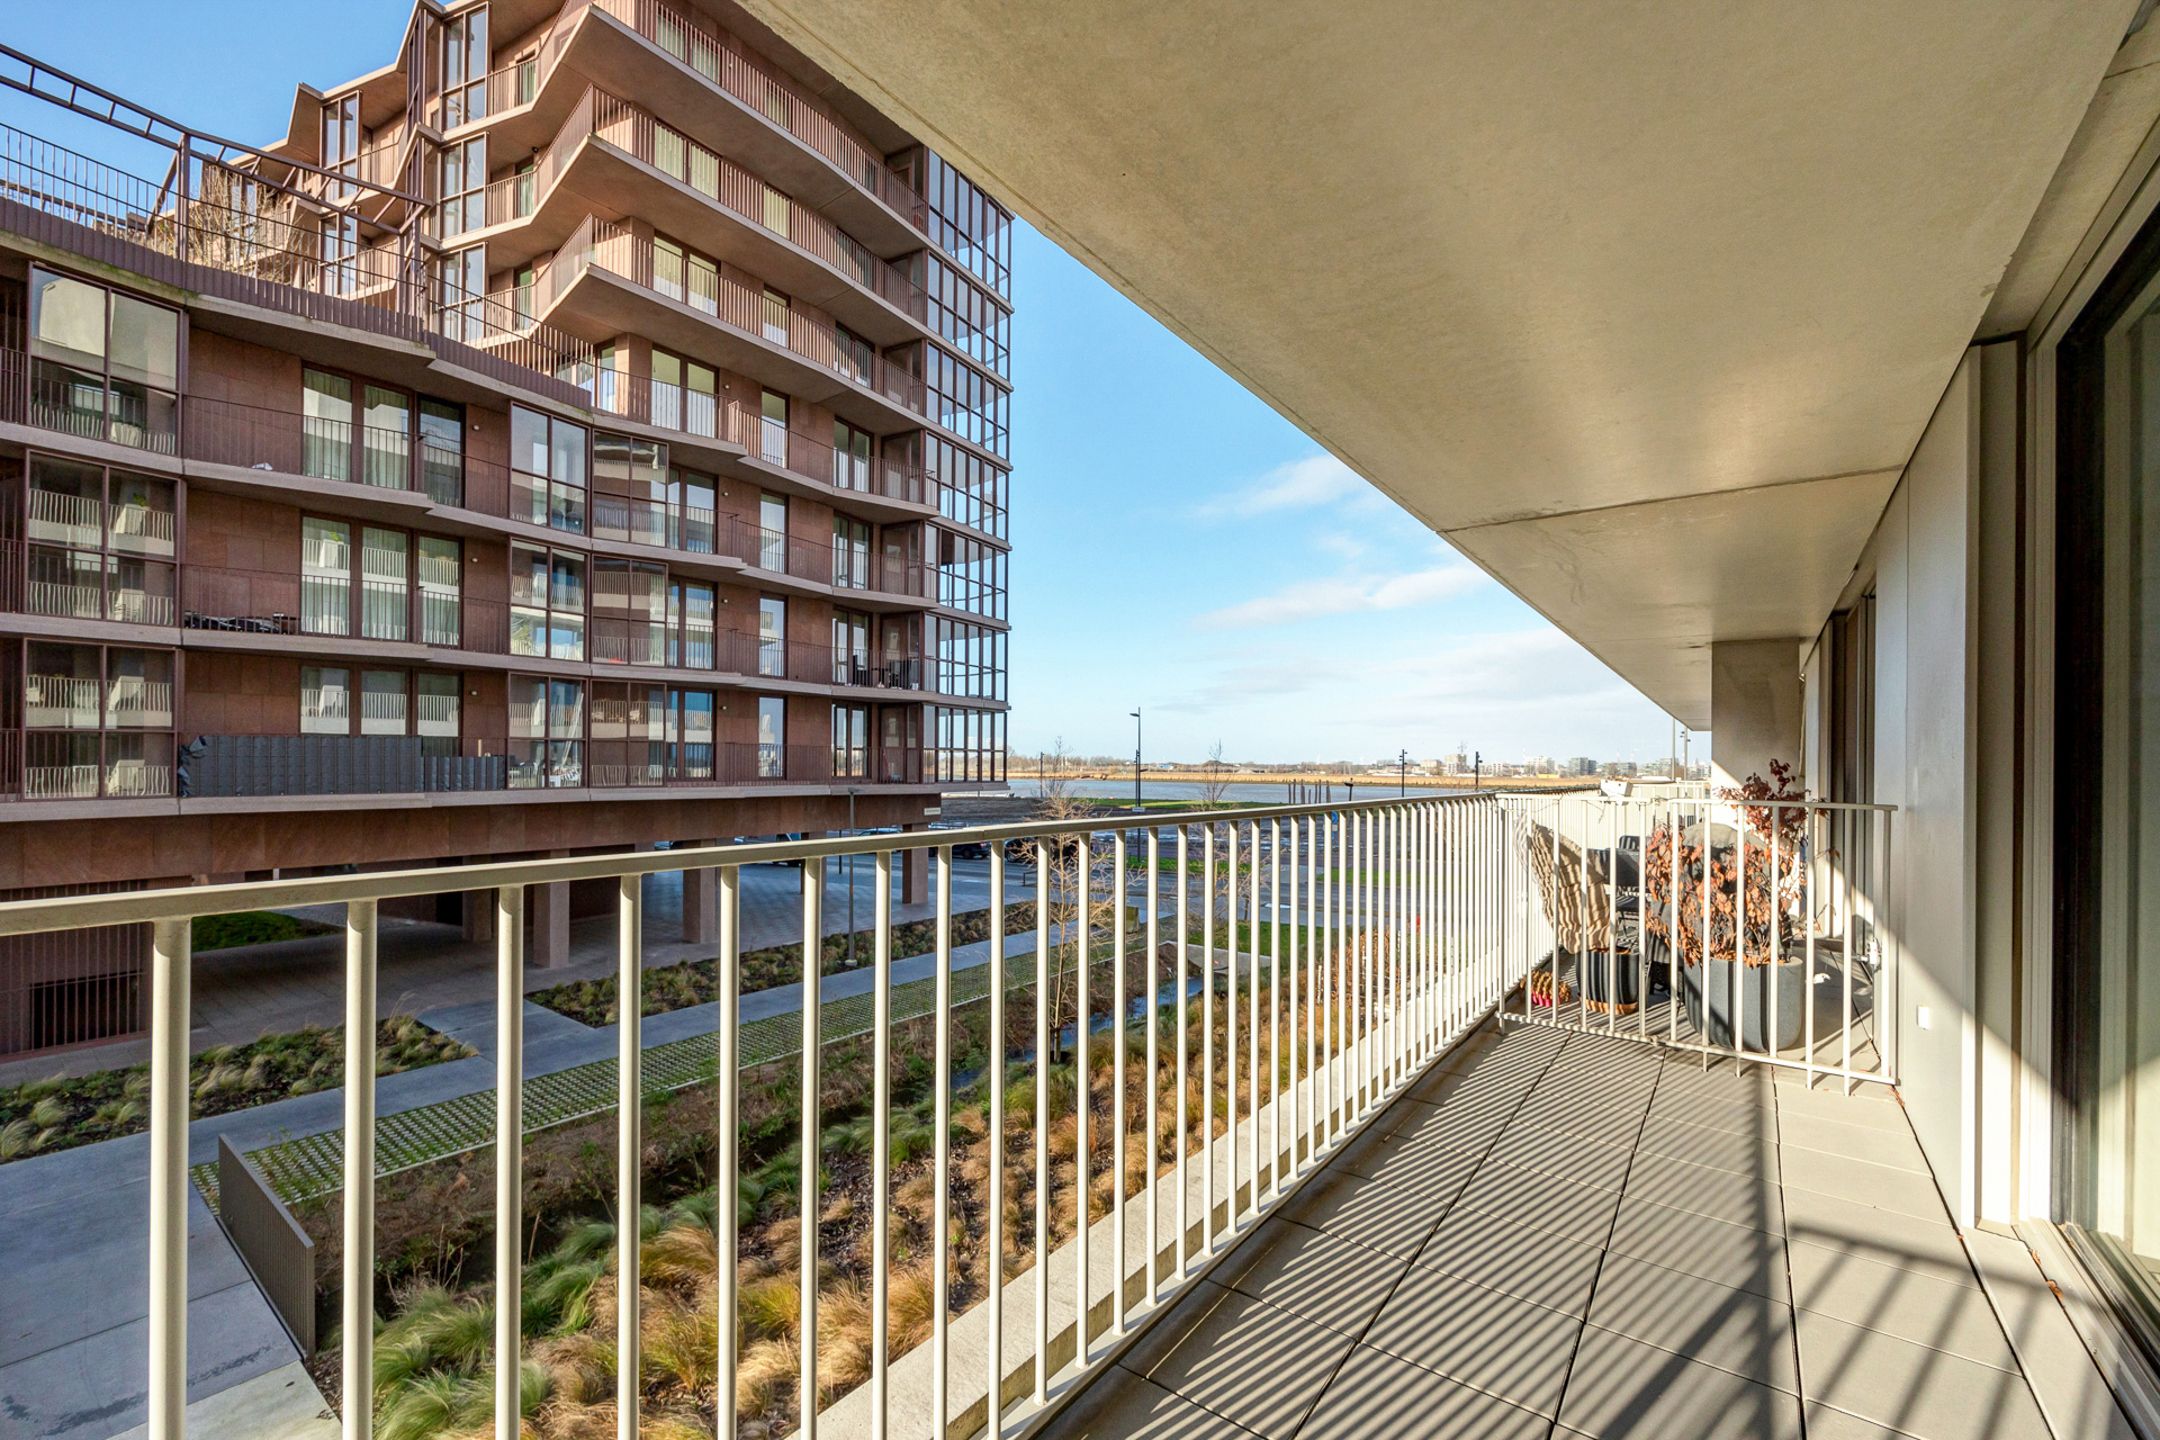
[1344,595]
[1297,485]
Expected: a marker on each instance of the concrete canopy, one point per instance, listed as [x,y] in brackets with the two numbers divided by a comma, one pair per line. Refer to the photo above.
[1643,306]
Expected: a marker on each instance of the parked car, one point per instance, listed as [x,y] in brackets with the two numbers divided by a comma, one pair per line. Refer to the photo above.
[963,849]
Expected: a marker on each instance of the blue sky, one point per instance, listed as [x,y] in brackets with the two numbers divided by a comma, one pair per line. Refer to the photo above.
[1177,545]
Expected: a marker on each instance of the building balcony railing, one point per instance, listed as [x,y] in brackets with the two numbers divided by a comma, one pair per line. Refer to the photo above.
[612,246]
[721,59]
[1301,1000]
[634,132]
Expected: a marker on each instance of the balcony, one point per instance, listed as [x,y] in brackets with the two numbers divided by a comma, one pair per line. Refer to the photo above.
[607,280]
[1353,1168]
[606,152]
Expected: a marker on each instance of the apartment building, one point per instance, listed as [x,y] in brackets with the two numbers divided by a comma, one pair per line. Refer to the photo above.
[587,429]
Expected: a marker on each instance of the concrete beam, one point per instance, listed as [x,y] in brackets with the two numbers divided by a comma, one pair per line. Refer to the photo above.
[1754,707]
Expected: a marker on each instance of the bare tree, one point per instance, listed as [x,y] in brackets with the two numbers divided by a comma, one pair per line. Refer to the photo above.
[1058,880]
[1214,778]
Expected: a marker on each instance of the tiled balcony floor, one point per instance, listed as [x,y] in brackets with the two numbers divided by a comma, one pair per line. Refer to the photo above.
[1558,1235]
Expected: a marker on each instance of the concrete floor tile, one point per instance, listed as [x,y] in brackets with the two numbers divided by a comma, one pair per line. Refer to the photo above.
[1875,1144]
[1379,1214]
[1703,1190]
[1739,1116]
[1711,1324]
[1883,1187]
[1719,1149]
[1910,1304]
[1484,1339]
[1883,1236]
[1736,1255]
[1441,1168]
[1582,1213]
[1624,1388]
[1249,1362]
[1533,1265]
[1557,1153]
[1313,1274]
[1927,1393]
[1123,1405]
[1377,1394]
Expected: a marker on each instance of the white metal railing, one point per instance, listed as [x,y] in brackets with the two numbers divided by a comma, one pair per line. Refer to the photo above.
[1325,954]
[1749,929]
[60,701]
[142,528]
[65,519]
[60,782]
[136,700]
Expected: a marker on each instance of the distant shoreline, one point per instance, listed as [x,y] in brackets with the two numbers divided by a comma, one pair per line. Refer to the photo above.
[1237,777]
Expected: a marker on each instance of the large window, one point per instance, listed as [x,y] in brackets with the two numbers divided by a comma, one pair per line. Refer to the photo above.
[629,612]
[629,500]
[970,319]
[547,602]
[773,428]
[970,490]
[442,451]
[377,601]
[685,395]
[967,744]
[691,619]
[547,733]
[772,533]
[97,721]
[461,184]
[547,465]
[850,742]
[100,542]
[684,275]
[966,401]
[2107,791]
[326,603]
[465,68]
[772,635]
[651,735]
[851,457]
[104,365]
[851,647]
[771,737]
[850,553]
[970,574]
[691,501]
[967,224]
[970,659]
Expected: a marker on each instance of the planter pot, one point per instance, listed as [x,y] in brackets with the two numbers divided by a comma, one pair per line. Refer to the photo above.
[1787,981]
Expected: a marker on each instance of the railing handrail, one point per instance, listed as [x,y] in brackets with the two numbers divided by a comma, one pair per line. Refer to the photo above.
[30,917]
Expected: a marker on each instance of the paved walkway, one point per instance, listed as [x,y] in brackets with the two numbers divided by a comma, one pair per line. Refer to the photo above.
[1564,1236]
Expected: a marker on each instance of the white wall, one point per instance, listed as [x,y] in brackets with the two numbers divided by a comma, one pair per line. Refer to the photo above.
[1923,563]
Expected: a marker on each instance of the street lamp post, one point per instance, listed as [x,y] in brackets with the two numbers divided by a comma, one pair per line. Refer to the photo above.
[1477,770]
[1402,773]
[1136,733]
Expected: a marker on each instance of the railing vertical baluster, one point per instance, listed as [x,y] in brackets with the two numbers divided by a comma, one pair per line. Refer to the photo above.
[1043,1001]
[1119,1004]
[1207,1039]
[1184,1120]
[629,1145]
[941,1153]
[1153,1080]
[1230,1028]
[811,1153]
[1735,1017]
[994,1202]
[1775,959]
[881,1130]
[1808,987]
[1300,1086]
[171,960]
[1319,886]
[1275,1000]
[358,1309]
[1252,1015]
[509,1153]
[727,1191]
[1706,981]
[1083,1084]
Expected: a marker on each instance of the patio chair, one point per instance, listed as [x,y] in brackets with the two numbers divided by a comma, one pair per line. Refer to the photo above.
[1582,898]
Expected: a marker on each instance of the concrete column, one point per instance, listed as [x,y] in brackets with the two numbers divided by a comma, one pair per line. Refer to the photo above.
[476,909]
[550,939]
[1754,708]
[914,872]
[701,903]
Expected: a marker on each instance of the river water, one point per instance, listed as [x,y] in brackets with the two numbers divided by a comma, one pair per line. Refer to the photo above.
[1247,792]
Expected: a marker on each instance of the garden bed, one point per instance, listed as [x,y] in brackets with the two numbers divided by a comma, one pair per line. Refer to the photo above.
[42,1116]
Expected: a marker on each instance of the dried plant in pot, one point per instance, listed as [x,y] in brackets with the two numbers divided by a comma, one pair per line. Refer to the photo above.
[1747,949]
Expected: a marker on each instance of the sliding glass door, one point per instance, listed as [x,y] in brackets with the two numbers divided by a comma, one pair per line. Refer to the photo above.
[2107,792]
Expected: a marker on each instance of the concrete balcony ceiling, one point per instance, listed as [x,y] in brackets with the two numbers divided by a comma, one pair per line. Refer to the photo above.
[1643,307]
